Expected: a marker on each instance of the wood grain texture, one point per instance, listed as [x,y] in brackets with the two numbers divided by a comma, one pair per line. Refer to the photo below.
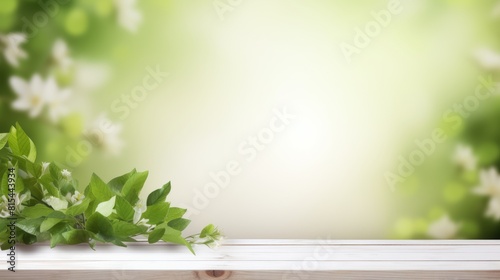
[250,275]
[265,259]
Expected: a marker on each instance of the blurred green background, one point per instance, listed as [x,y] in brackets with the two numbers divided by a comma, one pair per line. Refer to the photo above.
[364,81]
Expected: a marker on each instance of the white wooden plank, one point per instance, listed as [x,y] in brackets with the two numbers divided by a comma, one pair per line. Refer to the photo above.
[275,242]
[249,275]
[308,242]
[268,252]
[291,266]
[285,255]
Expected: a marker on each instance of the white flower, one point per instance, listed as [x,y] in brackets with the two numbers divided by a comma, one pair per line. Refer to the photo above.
[66,174]
[490,183]
[465,158]
[105,134]
[493,209]
[56,203]
[32,96]
[60,54]
[144,222]
[490,186]
[443,228]
[45,167]
[139,208]
[128,16]
[216,242]
[12,49]
[487,58]
[77,198]
[18,200]
[212,237]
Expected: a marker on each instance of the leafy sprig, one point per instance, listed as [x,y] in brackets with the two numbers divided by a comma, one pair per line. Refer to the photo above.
[48,205]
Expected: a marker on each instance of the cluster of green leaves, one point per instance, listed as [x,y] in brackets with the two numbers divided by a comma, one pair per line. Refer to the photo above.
[50,207]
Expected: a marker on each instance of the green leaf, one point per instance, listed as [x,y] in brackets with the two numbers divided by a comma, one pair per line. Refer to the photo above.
[76,236]
[156,213]
[133,187]
[66,187]
[52,219]
[156,235]
[45,182]
[37,170]
[174,213]
[117,183]
[9,178]
[30,226]
[57,214]
[36,211]
[32,155]
[92,206]
[179,224]
[28,238]
[57,203]
[56,234]
[124,230]
[101,226]
[5,184]
[56,239]
[44,236]
[127,239]
[99,189]
[207,231]
[55,172]
[174,236]
[106,207]
[48,223]
[123,209]
[4,137]
[118,243]
[93,202]
[19,185]
[78,209]
[33,187]
[3,223]
[159,195]
[5,246]
[21,144]
[33,169]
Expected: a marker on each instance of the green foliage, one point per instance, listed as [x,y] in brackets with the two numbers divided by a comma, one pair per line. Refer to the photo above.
[159,194]
[156,213]
[48,205]
[133,187]
[20,144]
[4,137]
